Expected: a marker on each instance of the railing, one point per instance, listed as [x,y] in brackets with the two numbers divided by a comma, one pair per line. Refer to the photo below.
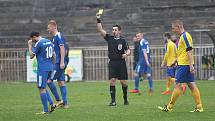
[95,63]
[12,65]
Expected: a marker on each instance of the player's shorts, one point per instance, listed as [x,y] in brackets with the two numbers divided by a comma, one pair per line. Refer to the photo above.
[42,77]
[183,74]
[143,69]
[171,71]
[118,69]
[58,73]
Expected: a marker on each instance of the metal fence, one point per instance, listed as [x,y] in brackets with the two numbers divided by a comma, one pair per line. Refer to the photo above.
[95,64]
[12,65]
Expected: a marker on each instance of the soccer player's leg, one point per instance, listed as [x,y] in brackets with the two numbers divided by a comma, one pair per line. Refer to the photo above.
[136,80]
[170,80]
[183,88]
[180,76]
[147,71]
[196,95]
[41,84]
[112,92]
[176,93]
[123,76]
[63,89]
[125,92]
[51,103]
[168,84]
[52,86]
[112,77]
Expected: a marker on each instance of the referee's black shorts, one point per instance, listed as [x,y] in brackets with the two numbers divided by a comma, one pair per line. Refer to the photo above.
[118,69]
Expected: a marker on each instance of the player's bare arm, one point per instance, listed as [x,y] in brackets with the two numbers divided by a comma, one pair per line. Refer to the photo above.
[62,55]
[146,58]
[163,64]
[190,59]
[30,49]
[99,25]
[54,57]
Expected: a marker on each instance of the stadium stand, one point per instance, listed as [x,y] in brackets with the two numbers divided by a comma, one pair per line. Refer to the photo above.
[77,19]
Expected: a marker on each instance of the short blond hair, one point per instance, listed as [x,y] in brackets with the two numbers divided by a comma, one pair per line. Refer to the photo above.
[52,22]
[178,23]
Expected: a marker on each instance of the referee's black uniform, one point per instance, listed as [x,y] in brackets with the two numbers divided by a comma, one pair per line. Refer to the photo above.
[117,64]
[118,50]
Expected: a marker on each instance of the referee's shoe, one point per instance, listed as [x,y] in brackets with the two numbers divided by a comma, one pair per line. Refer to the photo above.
[112,104]
[126,102]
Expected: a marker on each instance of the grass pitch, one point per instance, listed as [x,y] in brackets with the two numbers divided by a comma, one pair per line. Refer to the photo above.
[88,102]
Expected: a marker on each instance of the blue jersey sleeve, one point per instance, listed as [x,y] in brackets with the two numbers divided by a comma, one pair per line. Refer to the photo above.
[60,40]
[144,46]
[36,48]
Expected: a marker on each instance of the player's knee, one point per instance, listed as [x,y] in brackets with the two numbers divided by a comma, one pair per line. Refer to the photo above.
[42,90]
[61,83]
[148,75]
[191,85]
[123,82]
[49,81]
[177,86]
[112,82]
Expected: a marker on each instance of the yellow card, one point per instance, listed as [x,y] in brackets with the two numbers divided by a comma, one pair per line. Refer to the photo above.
[100,11]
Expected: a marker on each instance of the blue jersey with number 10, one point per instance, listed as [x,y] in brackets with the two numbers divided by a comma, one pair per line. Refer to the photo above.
[43,50]
[144,47]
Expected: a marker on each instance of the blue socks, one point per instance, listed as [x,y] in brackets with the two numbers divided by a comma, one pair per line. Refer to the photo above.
[64,94]
[136,82]
[49,98]
[53,89]
[150,82]
[43,97]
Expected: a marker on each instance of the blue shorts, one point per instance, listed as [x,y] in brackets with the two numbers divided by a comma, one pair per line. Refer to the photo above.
[183,74]
[42,77]
[142,69]
[58,73]
[171,71]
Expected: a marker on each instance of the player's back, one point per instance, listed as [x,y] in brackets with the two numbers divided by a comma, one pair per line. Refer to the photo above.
[44,52]
[171,52]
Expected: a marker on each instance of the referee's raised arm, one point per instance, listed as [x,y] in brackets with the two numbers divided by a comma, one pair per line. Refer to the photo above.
[99,25]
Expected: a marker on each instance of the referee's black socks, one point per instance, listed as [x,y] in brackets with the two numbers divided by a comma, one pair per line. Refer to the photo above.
[125,92]
[112,93]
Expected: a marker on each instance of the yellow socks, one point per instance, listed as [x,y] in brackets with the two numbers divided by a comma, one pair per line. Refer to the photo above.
[197,98]
[175,94]
[168,83]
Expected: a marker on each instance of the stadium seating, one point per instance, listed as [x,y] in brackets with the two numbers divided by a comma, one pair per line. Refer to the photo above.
[76,19]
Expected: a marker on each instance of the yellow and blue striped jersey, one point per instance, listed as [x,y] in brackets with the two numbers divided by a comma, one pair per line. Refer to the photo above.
[170,55]
[184,43]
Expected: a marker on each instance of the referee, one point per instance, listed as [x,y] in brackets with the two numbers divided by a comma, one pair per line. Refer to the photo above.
[118,50]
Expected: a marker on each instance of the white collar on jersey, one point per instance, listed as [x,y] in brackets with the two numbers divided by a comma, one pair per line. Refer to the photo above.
[116,38]
[57,33]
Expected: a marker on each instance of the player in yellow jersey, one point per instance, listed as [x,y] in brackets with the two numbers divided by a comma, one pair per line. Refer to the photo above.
[169,62]
[185,69]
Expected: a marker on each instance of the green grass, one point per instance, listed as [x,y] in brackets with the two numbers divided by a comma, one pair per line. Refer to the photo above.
[88,102]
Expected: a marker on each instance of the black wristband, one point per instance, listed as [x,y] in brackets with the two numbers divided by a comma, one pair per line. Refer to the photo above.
[98,20]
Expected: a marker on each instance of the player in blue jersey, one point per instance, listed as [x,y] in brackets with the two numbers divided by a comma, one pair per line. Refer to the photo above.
[43,50]
[61,50]
[143,67]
